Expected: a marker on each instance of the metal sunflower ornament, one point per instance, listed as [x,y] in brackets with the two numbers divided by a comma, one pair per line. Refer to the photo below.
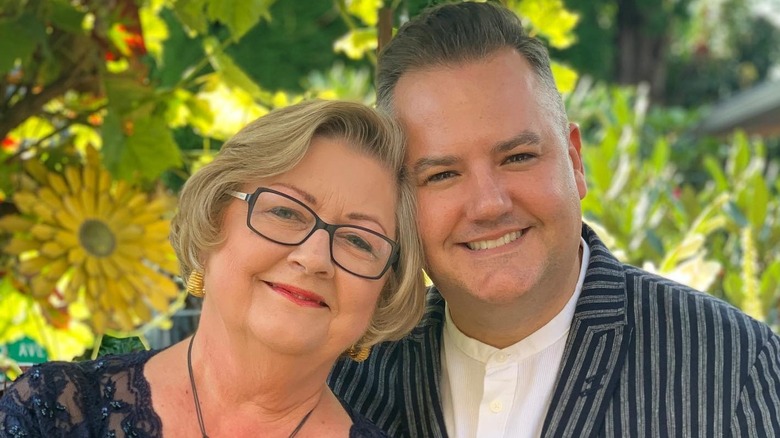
[97,240]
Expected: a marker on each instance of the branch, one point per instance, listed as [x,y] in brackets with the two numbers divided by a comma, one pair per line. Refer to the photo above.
[31,104]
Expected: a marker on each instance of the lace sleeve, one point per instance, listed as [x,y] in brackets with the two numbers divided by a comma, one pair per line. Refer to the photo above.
[42,403]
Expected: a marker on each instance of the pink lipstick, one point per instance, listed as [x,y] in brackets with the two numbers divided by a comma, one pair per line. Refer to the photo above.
[298,296]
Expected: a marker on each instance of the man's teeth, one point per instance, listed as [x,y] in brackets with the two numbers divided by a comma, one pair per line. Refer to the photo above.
[490,244]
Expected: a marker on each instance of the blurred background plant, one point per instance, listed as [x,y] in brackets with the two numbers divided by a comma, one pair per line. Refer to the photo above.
[106,107]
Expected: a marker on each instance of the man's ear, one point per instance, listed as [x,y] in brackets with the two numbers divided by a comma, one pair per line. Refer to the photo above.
[575,155]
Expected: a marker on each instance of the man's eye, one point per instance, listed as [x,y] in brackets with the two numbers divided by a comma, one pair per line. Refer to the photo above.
[518,158]
[440,176]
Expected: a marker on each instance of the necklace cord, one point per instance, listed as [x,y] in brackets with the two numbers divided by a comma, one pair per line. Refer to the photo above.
[197,400]
[195,390]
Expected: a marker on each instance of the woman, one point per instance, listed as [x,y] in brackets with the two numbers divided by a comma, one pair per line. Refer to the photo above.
[300,237]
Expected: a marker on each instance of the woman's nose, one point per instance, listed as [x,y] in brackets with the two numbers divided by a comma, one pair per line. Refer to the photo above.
[313,255]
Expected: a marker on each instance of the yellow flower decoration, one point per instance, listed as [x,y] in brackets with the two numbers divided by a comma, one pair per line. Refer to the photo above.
[97,240]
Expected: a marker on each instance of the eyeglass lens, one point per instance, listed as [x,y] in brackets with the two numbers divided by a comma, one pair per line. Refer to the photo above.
[288,221]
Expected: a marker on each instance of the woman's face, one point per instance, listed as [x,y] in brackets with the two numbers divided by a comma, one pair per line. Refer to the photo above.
[294,299]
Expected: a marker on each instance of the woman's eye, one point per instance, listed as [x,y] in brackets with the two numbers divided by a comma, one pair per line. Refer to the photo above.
[359,243]
[286,214]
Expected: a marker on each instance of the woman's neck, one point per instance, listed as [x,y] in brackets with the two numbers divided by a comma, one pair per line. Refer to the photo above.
[236,370]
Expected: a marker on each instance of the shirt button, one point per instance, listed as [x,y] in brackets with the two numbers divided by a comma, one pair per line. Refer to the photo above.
[501,357]
[496,406]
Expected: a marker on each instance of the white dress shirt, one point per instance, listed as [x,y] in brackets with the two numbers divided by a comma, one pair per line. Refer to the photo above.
[492,393]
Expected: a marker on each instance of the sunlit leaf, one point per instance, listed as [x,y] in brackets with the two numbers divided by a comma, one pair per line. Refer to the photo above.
[119,37]
[548,18]
[660,157]
[690,247]
[33,129]
[84,135]
[759,201]
[232,107]
[192,15]
[366,10]
[770,282]
[696,272]
[357,42]
[715,169]
[155,31]
[751,298]
[740,155]
[732,286]
[565,77]
[184,108]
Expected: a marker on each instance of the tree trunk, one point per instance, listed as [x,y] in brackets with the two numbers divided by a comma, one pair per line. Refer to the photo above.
[642,50]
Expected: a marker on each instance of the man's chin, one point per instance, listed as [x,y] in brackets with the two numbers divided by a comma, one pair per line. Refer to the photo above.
[486,291]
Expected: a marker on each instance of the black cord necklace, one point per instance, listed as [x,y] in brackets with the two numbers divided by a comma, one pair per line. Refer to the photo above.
[197,401]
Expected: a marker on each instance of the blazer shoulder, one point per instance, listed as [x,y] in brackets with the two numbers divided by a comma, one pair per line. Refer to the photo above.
[653,295]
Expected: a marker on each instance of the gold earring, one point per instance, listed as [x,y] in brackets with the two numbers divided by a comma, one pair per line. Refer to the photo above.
[195,284]
[358,354]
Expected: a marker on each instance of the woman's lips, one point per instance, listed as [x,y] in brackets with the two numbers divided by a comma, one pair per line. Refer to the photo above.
[298,296]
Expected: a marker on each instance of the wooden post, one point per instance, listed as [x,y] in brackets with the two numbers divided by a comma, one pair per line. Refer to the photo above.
[384,28]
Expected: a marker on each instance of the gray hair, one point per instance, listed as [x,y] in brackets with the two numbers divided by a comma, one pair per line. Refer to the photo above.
[452,34]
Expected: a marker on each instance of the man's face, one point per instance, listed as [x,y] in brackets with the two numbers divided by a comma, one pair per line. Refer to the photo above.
[499,182]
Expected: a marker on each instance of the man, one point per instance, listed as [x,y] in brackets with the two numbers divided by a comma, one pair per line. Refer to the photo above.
[533,327]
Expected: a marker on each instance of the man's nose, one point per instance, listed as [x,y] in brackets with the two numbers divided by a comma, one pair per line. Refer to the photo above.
[313,255]
[489,198]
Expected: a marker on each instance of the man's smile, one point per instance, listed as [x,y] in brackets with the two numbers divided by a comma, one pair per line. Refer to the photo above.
[490,244]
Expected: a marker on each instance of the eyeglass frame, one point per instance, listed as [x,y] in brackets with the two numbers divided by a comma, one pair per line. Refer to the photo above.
[319,224]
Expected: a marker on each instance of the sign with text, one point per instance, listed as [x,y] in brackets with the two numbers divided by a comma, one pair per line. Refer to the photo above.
[25,352]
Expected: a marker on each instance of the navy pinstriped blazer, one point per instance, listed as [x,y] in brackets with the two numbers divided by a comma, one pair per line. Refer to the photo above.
[645,357]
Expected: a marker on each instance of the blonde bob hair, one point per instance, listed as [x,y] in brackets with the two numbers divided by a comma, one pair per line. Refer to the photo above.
[274,144]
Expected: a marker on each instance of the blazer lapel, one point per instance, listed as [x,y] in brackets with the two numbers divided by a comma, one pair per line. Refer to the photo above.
[595,350]
[422,371]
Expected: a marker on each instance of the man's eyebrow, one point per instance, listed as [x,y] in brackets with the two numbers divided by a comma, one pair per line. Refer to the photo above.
[427,162]
[524,138]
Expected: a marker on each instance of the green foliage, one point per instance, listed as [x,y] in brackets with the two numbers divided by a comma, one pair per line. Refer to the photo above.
[714,48]
[18,39]
[296,42]
[110,345]
[158,85]
[721,234]
[237,16]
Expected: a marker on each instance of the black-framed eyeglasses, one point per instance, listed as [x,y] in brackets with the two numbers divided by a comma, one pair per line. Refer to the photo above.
[285,220]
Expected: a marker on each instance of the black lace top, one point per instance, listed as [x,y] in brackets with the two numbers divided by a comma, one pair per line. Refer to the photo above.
[105,398]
